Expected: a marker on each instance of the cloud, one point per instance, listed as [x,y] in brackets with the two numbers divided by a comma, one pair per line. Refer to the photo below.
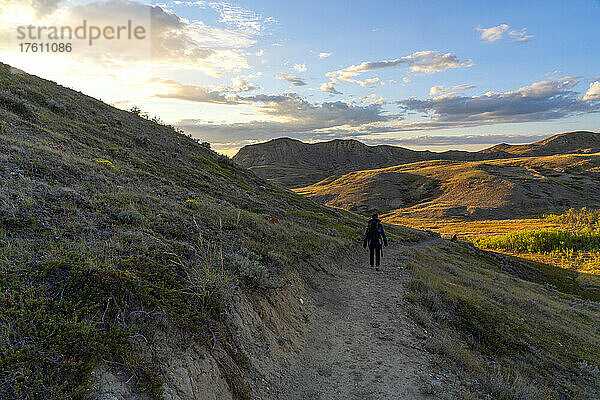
[169,40]
[44,7]
[458,140]
[496,33]
[294,116]
[243,20]
[540,101]
[324,55]
[41,8]
[421,62]
[288,115]
[240,85]
[441,89]
[198,94]
[300,67]
[203,94]
[294,80]
[593,92]
[492,34]
[329,87]
[326,114]
[373,99]
[520,36]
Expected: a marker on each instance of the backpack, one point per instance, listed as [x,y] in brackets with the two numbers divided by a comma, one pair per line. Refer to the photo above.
[373,231]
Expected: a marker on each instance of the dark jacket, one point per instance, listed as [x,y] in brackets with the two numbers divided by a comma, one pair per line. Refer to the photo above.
[367,239]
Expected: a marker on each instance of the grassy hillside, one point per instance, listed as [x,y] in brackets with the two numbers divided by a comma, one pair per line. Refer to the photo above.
[106,216]
[512,329]
[493,189]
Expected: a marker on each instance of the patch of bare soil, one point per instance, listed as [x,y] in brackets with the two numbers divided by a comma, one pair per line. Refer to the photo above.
[360,342]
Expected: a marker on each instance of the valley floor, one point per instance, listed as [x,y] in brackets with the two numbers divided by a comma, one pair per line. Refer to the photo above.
[360,342]
[464,228]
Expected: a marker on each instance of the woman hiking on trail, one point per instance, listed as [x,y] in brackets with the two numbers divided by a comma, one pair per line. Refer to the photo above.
[375,237]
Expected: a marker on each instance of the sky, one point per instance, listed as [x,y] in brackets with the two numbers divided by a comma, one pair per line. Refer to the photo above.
[434,75]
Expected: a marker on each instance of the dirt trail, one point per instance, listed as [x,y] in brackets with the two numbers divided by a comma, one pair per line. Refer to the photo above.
[360,343]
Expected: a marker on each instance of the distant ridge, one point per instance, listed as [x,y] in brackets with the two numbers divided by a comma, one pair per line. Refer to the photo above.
[287,151]
[578,142]
[296,164]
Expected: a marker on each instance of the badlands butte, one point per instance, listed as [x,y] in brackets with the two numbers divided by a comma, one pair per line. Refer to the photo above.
[501,182]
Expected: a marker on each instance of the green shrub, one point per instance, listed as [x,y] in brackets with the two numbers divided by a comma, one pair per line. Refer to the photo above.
[56,106]
[252,271]
[152,384]
[17,104]
[131,217]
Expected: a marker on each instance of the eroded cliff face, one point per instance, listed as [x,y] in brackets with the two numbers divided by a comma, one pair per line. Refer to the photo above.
[234,359]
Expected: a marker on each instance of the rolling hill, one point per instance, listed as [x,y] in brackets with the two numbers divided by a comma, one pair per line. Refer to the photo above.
[493,189]
[579,142]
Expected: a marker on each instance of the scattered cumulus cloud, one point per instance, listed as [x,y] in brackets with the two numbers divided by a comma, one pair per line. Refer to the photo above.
[593,92]
[227,95]
[300,67]
[373,99]
[441,89]
[198,94]
[324,55]
[421,62]
[492,34]
[294,80]
[241,19]
[540,101]
[520,36]
[294,116]
[239,85]
[496,33]
[329,87]
[289,115]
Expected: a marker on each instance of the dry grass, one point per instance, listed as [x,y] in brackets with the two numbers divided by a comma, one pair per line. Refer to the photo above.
[507,328]
[471,227]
